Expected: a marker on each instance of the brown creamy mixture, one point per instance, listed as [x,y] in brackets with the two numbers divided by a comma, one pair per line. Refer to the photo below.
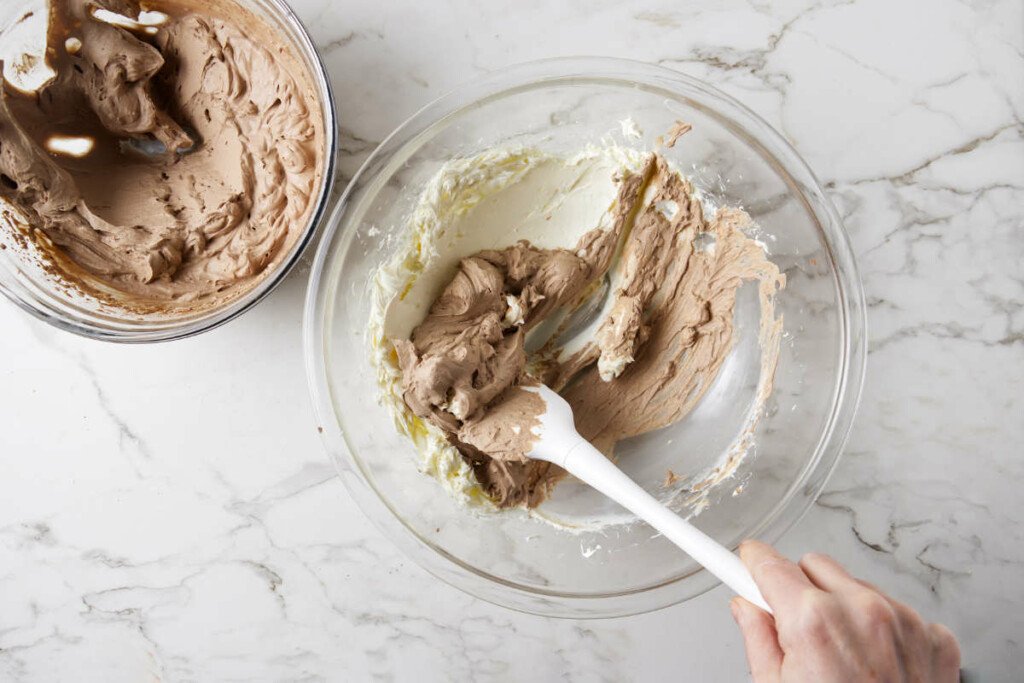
[652,359]
[208,152]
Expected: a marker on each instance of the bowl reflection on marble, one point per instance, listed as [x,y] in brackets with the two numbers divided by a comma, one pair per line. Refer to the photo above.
[733,158]
[27,275]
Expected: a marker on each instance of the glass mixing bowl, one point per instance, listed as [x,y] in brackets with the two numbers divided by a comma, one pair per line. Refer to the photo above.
[29,284]
[734,158]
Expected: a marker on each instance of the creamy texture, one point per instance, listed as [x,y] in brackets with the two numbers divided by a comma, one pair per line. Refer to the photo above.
[486,201]
[461,365]
[654,350]
[207,152]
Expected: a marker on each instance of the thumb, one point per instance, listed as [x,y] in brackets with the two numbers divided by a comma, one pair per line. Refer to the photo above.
[764,655]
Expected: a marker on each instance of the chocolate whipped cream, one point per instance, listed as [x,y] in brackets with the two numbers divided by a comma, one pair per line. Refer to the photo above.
[463,364]
[207,151]
[669,329]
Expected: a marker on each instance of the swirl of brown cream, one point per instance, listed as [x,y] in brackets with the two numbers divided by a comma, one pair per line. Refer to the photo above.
[660,346]
[201,222]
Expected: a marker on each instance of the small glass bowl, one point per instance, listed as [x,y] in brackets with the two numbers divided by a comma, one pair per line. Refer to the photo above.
[733,158]
[23,276]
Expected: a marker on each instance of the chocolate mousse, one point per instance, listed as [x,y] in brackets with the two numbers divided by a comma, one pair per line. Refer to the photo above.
[201,151]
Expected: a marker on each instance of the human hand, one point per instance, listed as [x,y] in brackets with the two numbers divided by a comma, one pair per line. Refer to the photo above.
[831,627]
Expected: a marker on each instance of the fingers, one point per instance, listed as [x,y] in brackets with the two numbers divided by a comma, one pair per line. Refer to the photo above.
[868,585]
[781,581]
[908,617]
[947,653]
[882,613]
[872,604]
[827,620]
[829,575]
[764,655]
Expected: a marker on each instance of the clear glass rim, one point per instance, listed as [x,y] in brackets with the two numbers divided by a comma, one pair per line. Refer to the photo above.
[321,295]
[121,328]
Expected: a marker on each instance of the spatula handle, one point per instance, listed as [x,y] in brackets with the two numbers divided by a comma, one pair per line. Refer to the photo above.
[588,464]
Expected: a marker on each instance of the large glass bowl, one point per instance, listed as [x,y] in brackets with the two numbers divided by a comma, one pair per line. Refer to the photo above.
[734,158]
[34,289]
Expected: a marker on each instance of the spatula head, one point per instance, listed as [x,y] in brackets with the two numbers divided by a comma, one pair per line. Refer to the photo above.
[556,434]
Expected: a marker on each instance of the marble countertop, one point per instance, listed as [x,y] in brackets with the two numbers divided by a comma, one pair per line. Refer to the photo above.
[167,512]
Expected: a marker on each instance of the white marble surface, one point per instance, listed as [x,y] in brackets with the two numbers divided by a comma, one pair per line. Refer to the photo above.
[167,513]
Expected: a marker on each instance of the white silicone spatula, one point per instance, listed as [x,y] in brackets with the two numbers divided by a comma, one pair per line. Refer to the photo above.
[559,443]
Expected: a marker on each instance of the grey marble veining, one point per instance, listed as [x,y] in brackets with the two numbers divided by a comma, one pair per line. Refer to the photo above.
[167,512]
